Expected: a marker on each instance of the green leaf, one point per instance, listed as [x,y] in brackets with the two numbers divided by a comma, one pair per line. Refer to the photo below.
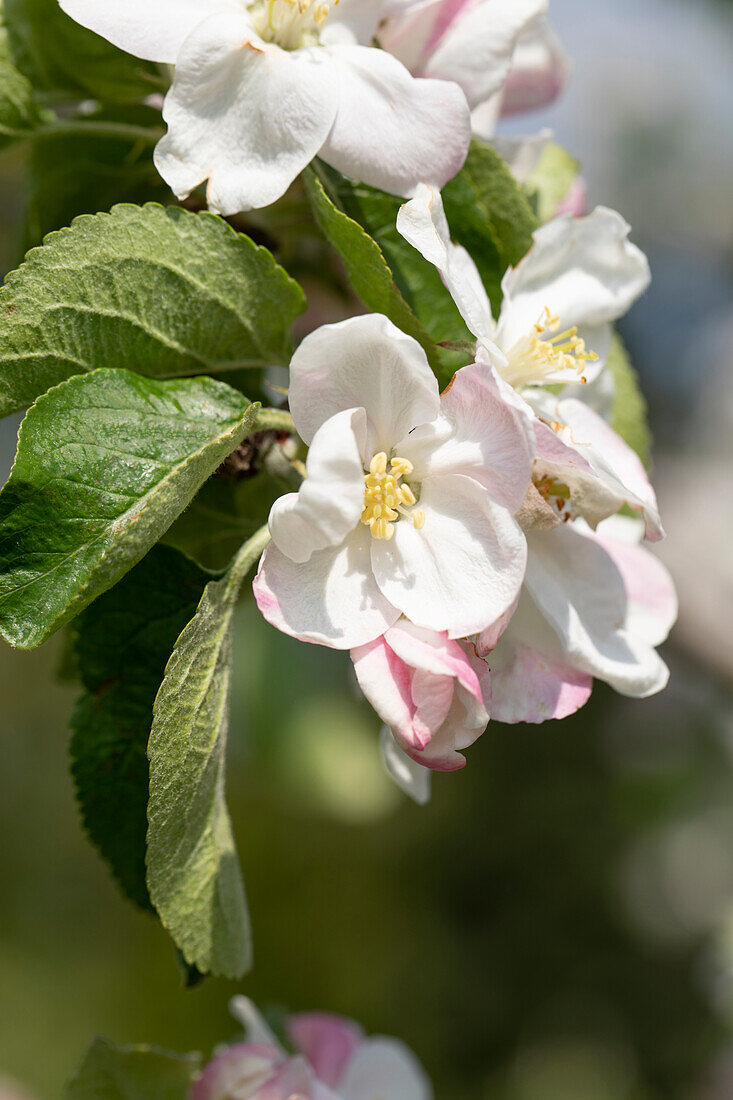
[105,463]
[19,113]
[123,642]
[80,173]
[157,290]
[489,215]
[551,180]
[356,219]
[132,1073]
[223,515]
[57,55]
[629,414]
[193,870]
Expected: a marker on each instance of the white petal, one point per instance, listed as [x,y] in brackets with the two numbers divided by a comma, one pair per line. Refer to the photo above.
[331,499]
[463,569]
[585,270]
[652,599]
[580,591]
[392,130]
[365,362]
[353,22]
[522,154]
[422,223]
[477,47]
[154,31]
[255,1026]
[244,115]
[613,462]
[531,680]
[538,72]
[385,1069]
[410,777]
[332,599]
[410,30]
[479,435]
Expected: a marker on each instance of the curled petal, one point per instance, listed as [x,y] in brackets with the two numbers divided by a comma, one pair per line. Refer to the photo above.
[387,1069]
[410,777]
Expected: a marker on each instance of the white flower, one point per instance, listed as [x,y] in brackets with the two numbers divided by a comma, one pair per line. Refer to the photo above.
[555,326]
[559,302]
[408,505]
[334,1061]
[592,605]
[433,693]
[263,86]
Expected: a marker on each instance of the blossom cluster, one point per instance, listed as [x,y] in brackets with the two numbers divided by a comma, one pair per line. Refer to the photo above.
[332,1059]
[478,551]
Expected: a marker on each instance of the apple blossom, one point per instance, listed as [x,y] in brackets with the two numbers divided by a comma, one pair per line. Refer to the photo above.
[261,87]
[333,1061]
[559,302]
[433,693]
[579,276]
[408,505]
[593,604]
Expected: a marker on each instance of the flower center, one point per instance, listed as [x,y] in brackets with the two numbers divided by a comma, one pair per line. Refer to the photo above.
[290,24]
[386,498]
[548,355]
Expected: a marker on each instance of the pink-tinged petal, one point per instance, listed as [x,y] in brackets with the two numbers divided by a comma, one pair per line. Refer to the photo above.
[394,131]
[538,73]
[410,777]
[613,460]
[364,362]
[463,569]
[241,1070]
[409,31]
[330,501]
[488,639]
[384,1069]
[155,31]
[575,202]
[585,270]
[434,653]
[577,587]
[433,698]
[652,598]
[422,222]
[387,685]
[478,435]
[477,46]
[332,599]
[244,115]
[328,1042]
[529,686]
[294,1080]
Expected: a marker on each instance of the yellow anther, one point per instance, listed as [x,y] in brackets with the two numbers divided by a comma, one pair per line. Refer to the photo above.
[386,498]
[547,355]
[291,24]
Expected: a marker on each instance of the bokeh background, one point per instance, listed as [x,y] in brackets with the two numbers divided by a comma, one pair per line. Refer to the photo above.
[558,923]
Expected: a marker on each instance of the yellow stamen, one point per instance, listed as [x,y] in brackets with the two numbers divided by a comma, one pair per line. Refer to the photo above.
[537,360]
[386,498]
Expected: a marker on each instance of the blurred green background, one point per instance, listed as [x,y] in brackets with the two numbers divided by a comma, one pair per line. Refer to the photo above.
[558,923]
